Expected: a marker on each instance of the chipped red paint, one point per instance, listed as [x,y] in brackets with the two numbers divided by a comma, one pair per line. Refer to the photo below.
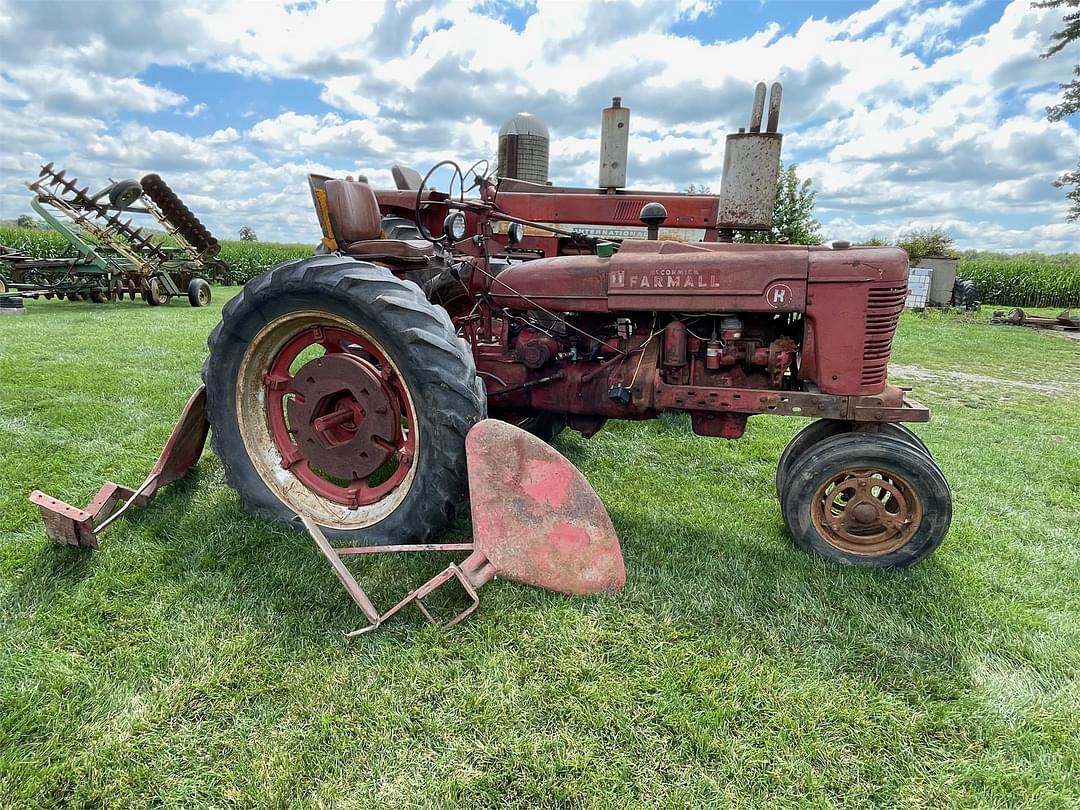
[69,525]
[515,479]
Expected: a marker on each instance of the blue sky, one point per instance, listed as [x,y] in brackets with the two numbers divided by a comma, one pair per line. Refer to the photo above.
[903,114]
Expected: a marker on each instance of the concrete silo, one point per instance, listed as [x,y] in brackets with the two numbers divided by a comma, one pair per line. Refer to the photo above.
[523,148]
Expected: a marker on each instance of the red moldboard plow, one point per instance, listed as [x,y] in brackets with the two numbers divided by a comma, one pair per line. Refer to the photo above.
[536,520]
[69,525]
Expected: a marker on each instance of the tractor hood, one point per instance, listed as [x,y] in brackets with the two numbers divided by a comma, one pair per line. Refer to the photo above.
[689,277]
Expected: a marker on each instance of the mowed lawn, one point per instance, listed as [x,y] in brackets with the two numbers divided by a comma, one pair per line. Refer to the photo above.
[197,658]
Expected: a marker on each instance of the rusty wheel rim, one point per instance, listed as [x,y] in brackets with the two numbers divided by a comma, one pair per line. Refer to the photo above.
[866,511]
[334,437]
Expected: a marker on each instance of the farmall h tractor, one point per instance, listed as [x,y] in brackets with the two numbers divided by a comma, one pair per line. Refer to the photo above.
[341,387]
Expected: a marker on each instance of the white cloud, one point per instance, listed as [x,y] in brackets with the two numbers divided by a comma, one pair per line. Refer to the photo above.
[891,111]
[974,234]
[67,89]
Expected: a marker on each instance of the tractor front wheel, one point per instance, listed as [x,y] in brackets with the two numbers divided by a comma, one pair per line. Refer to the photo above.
[867,499]
[821,429]
[338,392]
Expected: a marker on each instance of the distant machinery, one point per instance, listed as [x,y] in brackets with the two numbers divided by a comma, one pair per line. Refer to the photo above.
[523,148]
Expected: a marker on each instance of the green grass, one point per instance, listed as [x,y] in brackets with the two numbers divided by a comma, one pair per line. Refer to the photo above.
[196,659]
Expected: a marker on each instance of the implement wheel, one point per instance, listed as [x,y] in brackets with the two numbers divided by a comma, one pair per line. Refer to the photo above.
[867,499]
[338,392]
[198,292]
[153,294]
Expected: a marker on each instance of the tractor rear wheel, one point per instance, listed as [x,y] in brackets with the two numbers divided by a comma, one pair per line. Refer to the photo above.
[867,499]
[821,429]
[338,392]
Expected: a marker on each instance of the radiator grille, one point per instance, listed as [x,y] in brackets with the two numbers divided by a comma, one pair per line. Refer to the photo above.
[883,307]
[627,211]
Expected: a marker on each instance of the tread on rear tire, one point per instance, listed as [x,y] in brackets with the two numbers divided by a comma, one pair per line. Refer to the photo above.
[436,367]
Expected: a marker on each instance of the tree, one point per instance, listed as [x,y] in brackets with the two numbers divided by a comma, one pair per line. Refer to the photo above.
[698,189]
[793,213]
[921,242]
[247,234]
[25,221]
[1070,99]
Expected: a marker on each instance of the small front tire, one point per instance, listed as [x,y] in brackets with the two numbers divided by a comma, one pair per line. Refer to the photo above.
[821,429]
[867,500]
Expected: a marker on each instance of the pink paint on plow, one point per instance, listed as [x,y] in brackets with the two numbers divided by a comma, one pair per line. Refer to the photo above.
[546,482]
[568,538]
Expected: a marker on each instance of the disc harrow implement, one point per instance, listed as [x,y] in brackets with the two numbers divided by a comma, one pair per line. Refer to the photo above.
[111,254]
[182,223]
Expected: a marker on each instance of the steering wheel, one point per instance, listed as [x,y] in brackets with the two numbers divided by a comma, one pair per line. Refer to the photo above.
[420,228]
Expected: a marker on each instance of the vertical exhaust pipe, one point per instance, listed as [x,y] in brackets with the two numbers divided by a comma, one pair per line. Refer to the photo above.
[774,105]
[751,167]
[758,109]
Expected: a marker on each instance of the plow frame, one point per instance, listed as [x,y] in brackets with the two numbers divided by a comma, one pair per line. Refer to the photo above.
[69,525]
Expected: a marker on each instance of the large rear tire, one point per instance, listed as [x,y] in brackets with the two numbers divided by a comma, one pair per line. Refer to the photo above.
[337,391]
[867,499]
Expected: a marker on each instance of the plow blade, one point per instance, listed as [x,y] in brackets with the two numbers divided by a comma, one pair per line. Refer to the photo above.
[536,521]
[69,525]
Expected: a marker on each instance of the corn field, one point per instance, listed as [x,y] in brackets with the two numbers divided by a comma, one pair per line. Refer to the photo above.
[1016,280]
[245,260]
[1024,280]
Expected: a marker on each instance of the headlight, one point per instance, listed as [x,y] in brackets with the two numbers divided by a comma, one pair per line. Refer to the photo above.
[454,226]
[515,232]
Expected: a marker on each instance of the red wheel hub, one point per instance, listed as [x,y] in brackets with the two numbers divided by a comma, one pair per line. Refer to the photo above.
[343,423]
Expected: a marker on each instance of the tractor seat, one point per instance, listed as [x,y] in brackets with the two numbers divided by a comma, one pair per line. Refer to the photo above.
[357,225]
[404,250]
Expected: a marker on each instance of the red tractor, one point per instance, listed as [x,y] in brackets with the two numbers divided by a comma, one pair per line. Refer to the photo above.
[341,387]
